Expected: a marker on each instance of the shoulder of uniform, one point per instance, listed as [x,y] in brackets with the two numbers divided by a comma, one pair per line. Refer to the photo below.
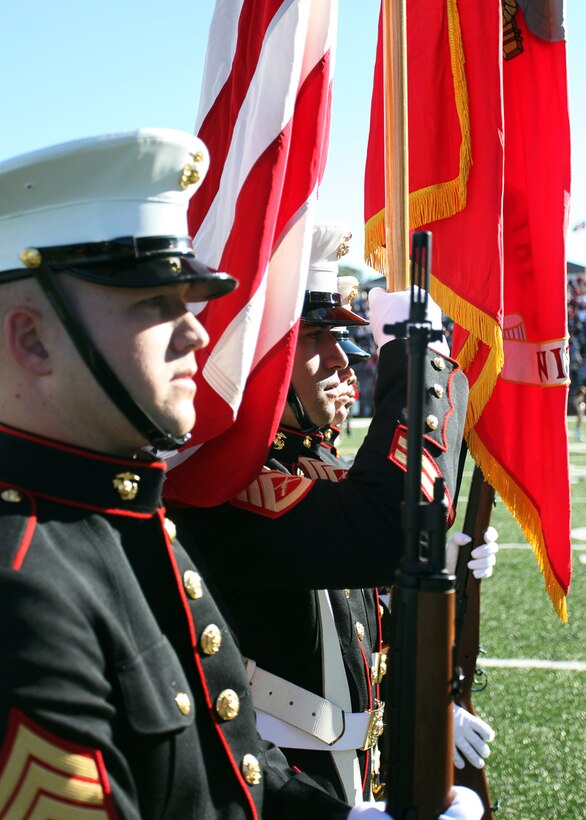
[65,777]
[273,493]
[17,523]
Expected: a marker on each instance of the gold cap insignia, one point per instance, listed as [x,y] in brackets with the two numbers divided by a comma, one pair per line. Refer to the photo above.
[190,174]
[175,264]
[344,247]
[126,485]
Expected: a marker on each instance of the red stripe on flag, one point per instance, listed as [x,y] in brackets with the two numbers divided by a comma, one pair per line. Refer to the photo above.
[255,218]
[218,124]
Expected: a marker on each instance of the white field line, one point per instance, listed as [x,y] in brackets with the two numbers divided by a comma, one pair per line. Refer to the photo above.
[532,663]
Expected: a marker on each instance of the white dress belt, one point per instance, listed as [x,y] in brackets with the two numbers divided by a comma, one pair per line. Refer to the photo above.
[293,717]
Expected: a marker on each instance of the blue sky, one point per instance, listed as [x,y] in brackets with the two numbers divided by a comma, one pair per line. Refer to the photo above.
[75,69]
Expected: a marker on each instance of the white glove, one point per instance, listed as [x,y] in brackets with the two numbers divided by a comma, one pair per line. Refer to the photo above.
[369,811]
[466,805]
[471,738]
[388,308]
[482,557]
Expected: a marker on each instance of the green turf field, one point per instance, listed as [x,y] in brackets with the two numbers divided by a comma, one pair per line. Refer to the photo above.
[537,705]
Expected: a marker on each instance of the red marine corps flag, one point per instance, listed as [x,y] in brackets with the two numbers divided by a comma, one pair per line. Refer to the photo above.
[265,117]
[489,175]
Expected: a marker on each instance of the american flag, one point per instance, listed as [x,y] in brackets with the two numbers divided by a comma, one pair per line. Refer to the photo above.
[265,117]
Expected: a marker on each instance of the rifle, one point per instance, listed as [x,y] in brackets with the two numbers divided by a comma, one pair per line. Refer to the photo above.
[419,737]
[467,646]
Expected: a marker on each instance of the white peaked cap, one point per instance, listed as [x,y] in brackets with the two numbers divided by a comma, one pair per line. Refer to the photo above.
[348,288]
[92,190]
[329,244]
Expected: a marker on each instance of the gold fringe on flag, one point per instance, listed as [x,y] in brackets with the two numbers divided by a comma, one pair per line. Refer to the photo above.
[524,513]
[482,328]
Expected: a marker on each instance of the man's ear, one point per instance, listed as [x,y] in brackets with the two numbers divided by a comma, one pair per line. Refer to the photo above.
[23,334]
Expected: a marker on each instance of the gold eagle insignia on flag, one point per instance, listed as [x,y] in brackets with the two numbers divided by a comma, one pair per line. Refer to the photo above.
[272,493]
[44,776]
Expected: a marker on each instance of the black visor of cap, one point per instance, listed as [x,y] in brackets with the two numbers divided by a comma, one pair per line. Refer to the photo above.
[324,308]
[354,353]
[132,262]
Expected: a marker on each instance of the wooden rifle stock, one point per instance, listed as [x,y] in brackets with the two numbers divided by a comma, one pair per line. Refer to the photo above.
[419,683]
[467,647]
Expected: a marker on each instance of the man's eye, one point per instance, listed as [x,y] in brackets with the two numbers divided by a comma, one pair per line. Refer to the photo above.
[153,301]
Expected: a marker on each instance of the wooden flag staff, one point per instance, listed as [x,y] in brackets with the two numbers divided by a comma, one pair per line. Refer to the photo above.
[396,144]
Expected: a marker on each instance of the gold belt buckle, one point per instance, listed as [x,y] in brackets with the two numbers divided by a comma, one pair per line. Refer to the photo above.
[375,726]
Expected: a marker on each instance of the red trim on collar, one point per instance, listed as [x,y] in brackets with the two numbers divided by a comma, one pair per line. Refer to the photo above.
[31,524]
[79,451]
[68,503]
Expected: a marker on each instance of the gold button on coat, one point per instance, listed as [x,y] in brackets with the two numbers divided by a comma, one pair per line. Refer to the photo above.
[11,496]
[359,631]
[211,639]
[183,702]
[251,770]
[170,529]
[438,363]
[438,391]
[192,584]
[227,704]
[307,442]
[432,422]
[347,593]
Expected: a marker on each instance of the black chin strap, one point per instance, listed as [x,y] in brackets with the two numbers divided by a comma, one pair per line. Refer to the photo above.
[101,370]
[303,420]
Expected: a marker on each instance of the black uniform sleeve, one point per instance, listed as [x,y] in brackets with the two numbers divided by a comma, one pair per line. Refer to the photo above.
[344,534]
[55,703]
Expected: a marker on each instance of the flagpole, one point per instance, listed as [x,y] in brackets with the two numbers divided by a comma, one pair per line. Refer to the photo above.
[396,145]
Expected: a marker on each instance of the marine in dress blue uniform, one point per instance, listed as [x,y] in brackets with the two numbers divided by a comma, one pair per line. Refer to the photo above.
[296,532]
[123,692]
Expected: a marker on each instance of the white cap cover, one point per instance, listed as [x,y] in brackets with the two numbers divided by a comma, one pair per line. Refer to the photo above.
[329,244]
[97,189]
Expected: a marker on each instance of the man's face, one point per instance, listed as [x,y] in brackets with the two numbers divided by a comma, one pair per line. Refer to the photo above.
[149,337]
[318,358]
